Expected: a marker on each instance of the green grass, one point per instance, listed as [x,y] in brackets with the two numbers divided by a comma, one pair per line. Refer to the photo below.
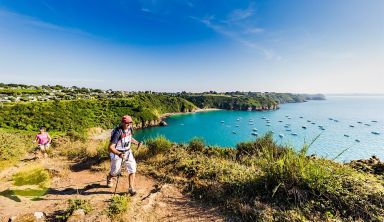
[262,180]
[13,145]
[31,181]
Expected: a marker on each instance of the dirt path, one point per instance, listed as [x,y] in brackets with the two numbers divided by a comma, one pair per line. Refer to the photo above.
[153,202]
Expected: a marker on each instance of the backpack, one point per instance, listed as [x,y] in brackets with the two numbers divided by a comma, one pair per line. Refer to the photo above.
[120,130]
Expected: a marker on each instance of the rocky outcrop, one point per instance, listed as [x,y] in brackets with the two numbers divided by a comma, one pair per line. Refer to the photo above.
[373,165]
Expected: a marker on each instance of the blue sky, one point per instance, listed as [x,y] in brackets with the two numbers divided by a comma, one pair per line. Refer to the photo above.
[327,46]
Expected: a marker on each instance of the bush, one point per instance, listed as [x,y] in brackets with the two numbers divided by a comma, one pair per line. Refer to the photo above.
[158,145]
[76,136]
[196,145]
[75,204]
[118,205]
[261,143]
[13,145]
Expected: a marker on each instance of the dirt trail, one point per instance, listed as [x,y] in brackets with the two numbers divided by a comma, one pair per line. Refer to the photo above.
[153,202]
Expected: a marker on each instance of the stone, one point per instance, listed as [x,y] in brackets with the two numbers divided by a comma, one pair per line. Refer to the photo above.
[39,216]
[77,216]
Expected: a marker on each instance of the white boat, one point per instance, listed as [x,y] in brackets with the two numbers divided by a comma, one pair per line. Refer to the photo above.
[374,121]
[237,125]
[304,127]
[255,134]
[222,121]
[359,122]
[376,133]
[356,140]
[308,121]
[281,135]
[250,123]
[264,117]
[254,129]
[233,132]
[289,130]
[294,134]
[367,124]
[268,125]
[351,126]
[346,135]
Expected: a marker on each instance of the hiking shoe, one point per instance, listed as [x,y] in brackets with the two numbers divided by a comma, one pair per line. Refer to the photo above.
[109,182]
[132,192]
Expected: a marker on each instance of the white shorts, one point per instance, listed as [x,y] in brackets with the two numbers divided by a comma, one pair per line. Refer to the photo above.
[43,147]
[116,161]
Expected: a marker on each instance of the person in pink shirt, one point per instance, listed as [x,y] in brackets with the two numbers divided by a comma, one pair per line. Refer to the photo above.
[44,141]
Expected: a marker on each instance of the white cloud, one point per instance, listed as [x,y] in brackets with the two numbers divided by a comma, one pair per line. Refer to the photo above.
[32,22]
[241,14]
[234,29]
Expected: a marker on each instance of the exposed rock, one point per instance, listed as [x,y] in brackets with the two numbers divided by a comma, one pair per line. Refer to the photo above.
[372,165]
[77,215]
[28,217]
[163,123]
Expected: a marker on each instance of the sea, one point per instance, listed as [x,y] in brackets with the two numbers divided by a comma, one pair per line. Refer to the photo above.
[342,128]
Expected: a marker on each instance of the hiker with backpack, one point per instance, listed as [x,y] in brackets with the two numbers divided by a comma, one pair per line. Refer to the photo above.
[44,141]
[120,152]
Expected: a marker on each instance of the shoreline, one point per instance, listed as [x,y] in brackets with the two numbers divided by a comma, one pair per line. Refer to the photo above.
[165,115]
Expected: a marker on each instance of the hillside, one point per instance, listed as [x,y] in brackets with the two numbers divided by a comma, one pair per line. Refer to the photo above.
[258,181]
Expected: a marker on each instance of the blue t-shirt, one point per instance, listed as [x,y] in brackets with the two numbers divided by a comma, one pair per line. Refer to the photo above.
[122,138]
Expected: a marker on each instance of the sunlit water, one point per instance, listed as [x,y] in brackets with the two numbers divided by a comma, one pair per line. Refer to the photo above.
[339,117]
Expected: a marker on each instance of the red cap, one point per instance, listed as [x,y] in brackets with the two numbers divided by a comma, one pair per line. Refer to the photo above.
[126,119]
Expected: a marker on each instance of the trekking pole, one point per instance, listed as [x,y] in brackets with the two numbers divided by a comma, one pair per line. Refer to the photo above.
[118,175]
[121,168]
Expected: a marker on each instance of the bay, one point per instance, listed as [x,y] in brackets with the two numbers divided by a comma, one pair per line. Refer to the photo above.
[341,122]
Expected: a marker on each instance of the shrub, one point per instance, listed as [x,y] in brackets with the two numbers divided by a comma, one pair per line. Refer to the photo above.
[196,145]
[13,145]
[73,205]
[261,143]
[158,145]
[76,136]
[118,205]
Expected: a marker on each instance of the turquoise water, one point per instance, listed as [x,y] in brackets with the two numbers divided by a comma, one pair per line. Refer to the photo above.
[337,135]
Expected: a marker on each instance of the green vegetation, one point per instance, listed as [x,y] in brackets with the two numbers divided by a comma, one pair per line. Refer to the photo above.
[236,102]
[13,145]
[263,181]
[118,205]
[158,145]
[36,177]
[73,205]
[79,115]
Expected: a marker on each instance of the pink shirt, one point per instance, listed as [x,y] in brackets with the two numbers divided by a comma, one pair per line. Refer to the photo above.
[42,138]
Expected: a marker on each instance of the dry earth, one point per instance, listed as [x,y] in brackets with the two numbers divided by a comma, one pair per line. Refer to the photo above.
[154,201]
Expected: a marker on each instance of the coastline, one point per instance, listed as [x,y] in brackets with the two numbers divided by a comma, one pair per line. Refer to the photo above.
[165,115]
